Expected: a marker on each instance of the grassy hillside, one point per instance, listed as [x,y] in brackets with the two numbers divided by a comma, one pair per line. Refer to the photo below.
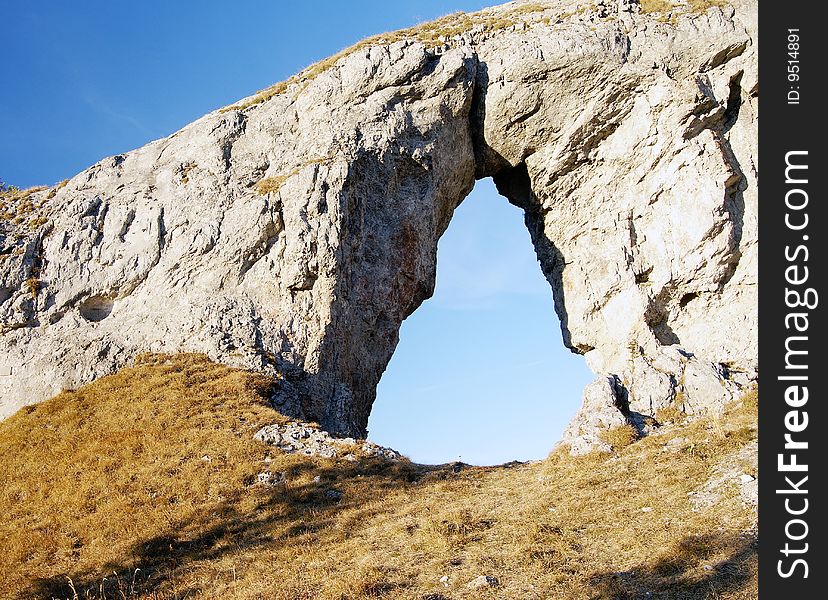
[144,485]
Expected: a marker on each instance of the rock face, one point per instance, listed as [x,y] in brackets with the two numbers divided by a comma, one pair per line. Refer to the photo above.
[600,410]
[294,232]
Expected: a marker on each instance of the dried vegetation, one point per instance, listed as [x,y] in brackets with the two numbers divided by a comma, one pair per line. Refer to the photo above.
[143,485]
[433,33]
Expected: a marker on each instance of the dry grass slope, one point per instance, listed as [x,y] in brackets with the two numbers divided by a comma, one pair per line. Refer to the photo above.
[619,437]
[142,485]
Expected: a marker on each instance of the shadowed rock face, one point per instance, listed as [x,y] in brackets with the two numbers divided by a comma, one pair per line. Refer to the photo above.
[294,236]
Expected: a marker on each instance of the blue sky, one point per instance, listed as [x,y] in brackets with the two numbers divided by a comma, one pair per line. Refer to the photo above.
[480,373]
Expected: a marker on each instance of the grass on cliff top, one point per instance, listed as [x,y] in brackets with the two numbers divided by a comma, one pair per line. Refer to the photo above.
[17,206]
[142,485]
[442,31]
[431,33]
[690,6]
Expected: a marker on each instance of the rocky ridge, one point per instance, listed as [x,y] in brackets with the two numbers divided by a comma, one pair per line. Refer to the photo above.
[293,232]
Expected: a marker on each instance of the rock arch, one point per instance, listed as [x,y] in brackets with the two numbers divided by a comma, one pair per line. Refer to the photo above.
[294,232]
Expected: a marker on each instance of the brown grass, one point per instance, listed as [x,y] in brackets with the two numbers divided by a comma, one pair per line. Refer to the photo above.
[17,206]
[674,413]
[37,222]
[700,6]
[33,285]
[14,194]
[692,6]
[142,485]
[53,192]
[271,185]
[185,172]
[669,414]
[619,437]
[656,6]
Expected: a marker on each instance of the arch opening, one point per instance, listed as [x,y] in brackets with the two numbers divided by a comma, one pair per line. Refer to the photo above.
[481,374]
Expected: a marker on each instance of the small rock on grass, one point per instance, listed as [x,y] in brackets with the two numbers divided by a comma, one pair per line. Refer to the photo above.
[482,581]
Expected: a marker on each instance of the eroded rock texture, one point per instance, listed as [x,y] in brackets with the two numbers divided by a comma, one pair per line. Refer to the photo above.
[294,235]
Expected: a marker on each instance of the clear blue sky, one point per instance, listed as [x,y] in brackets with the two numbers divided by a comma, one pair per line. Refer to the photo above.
[480,373]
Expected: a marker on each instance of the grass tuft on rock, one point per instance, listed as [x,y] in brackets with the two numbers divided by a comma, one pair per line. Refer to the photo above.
[620,436]
[441,31]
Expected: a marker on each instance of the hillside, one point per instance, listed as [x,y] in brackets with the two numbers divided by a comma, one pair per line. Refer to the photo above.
[145,484]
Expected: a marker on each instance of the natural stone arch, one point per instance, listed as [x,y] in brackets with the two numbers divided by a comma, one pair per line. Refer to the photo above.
[293,233]
[637,345]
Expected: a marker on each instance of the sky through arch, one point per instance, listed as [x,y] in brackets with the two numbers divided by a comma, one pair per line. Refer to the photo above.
[481,374]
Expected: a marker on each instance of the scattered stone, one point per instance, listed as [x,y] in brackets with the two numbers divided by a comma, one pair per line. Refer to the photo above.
[482,581]
[600,410]
[301,438]
[647,509]
[745,478]
[271,479]
[444,580]
[377,451]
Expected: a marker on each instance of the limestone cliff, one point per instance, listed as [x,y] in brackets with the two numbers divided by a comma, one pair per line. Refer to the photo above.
[293,232]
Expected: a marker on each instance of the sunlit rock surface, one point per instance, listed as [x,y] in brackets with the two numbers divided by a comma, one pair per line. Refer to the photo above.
[293,234]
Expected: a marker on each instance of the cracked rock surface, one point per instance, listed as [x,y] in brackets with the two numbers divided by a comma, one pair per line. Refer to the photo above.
[294,234]
[300,438]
